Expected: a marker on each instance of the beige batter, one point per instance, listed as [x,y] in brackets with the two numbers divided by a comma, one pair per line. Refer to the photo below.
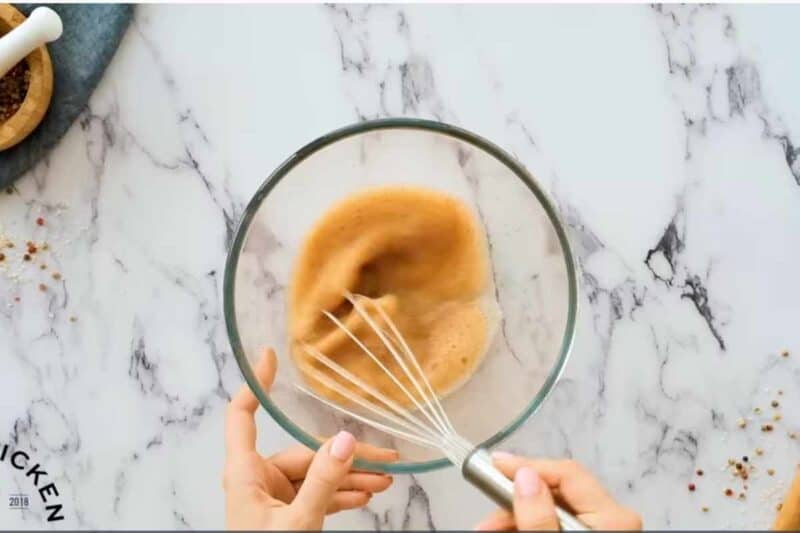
[417,252]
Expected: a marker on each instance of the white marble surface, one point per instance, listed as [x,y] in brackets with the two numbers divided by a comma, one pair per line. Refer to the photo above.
[669,137]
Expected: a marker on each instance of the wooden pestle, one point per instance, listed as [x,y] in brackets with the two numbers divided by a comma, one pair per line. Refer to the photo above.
[789,516]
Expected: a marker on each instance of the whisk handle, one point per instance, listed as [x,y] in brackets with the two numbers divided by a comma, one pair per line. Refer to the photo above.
[479,470]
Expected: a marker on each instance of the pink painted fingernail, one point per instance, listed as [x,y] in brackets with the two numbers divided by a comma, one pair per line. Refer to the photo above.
[502,456]
[527,482]
[343,446]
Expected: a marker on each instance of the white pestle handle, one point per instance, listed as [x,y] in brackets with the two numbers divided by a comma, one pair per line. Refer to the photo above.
[42,26]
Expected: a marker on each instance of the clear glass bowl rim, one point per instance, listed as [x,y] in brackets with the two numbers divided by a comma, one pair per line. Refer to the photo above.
[229,279]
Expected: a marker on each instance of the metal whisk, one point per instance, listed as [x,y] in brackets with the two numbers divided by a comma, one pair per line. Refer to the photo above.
[433,428]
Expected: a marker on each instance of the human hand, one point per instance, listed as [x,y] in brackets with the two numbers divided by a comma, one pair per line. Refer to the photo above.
[538,482]
[293,489]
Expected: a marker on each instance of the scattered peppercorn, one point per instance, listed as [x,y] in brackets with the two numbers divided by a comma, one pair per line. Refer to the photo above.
[759,451]
[766,428]
[16,298]
[741,422]
[9,244]
[779,507]
[26,257]
[776,417]
[756,410]
[42,287]
[31,248]
[745,458]
[43,266]
[775,403]
[792,435]
[780,393]
[728,492]
[785,353]
[731,462]
[45,246]
[73,319]
[739,466]
[56,276]
[704,509]
[699,472]
[2,257]
[692,487]
[742,496]
[40,221]
[771,471]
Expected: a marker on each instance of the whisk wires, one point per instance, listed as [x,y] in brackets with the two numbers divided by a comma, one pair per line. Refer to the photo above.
[433,429]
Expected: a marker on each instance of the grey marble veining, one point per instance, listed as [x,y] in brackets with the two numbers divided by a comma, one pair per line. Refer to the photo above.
[667,135]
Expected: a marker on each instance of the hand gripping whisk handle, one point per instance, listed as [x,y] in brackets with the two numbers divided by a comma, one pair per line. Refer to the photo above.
[479,470]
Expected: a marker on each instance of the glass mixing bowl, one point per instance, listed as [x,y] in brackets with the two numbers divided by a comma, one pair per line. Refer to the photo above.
[532,268]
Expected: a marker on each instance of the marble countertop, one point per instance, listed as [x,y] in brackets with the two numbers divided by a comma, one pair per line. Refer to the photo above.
[669,137]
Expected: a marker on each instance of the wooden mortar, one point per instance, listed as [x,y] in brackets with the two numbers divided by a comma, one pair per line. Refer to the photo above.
[789,516]
[40,89]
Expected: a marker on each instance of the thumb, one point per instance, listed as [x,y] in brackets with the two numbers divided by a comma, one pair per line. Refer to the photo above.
[329,467]
[533,504]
